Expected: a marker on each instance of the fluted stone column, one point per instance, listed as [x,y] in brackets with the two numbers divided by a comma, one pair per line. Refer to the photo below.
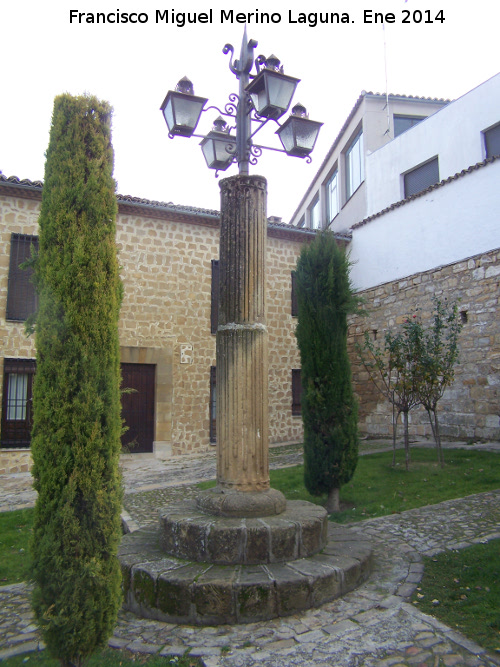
[242,356]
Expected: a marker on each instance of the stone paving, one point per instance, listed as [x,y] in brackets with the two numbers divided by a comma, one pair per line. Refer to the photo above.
[374,626]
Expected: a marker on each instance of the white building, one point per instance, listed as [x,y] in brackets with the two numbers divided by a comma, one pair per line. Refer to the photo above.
[337,196]
[426,197]
[432,193]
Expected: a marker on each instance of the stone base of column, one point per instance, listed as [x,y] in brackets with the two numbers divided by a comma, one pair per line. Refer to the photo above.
[231,503]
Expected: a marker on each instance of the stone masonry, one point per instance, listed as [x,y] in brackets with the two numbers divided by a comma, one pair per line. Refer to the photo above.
[166,255]
[470,408]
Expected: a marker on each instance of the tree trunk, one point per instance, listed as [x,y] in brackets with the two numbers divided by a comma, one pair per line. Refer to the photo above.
[437,436]
[333,502]
[395,418]
[407,440]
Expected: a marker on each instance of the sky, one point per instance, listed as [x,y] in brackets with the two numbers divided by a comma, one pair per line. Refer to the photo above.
[132,66]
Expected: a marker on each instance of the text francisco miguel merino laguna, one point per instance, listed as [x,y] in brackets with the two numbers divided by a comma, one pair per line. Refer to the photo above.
[180,19]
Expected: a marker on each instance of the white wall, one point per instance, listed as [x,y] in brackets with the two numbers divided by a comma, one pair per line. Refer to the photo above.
[453,133]
[452,222]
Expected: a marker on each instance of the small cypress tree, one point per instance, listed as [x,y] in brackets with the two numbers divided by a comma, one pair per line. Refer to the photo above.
[329,408]
[76,399]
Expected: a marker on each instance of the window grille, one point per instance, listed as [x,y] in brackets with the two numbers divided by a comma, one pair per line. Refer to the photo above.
[295,303]
[21,295]
[214,312]
[296,391]
[213,404]
[421,178]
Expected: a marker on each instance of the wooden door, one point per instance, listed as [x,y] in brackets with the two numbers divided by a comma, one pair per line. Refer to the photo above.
[138,407]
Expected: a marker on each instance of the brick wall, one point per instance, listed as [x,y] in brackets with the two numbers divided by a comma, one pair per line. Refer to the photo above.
[470,409]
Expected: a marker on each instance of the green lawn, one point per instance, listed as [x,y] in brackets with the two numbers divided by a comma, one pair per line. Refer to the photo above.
[107,658]
[378,489]
[15,531]
[462,589]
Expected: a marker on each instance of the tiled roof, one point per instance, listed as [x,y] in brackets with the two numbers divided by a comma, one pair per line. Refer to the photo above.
[188,213]
[25,182]
[344,127]
[445,181]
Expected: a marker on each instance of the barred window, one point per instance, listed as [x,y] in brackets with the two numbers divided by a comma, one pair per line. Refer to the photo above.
[17,402]
[421,177]
[21,295]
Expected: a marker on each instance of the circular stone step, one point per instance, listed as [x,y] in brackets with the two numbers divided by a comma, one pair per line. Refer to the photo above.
[298,532]
[176,590]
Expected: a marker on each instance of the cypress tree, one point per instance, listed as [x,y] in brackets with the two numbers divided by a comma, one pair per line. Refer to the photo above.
[329,408]
[76,399]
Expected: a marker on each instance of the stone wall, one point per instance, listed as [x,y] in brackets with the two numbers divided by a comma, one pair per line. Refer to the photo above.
[470,408]
[166,259]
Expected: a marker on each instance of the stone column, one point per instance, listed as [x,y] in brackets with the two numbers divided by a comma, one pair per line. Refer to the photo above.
[242,357]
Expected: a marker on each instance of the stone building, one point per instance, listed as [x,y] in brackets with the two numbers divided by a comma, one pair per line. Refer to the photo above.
[169,259]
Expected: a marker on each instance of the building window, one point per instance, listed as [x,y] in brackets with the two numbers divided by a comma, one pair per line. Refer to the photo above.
[355,165]
[315,214]
[296,392]
[213,405]
[21,295]
[492,141]
[214,311]
[17,402]
[295,303]
[403,123]
[421,177]
[332,196]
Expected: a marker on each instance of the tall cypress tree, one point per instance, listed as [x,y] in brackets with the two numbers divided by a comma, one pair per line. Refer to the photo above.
[76,399]
[329,408]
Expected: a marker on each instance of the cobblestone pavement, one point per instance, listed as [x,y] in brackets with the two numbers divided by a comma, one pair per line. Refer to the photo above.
[374,626]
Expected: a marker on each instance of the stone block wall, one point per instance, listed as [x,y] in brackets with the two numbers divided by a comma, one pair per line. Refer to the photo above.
[470,408]
[166,259]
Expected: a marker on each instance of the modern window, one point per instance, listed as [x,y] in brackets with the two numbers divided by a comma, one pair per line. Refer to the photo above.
[421,177]
[332,196]
[492,141]
[315,214]
[296,392]
[355,165]
[213,405]
[21,295]
[403,123]
[17,402]
[295,303]
[214,311]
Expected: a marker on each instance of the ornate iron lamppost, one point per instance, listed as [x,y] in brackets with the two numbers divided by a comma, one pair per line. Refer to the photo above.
[262,97]
[243,488]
